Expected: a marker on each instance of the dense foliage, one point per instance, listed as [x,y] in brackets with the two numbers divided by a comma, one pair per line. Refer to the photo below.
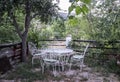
[28,9]
[78,28]
[96,21]
[105,22]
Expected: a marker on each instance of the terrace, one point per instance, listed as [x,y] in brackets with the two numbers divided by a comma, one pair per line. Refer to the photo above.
[92,72]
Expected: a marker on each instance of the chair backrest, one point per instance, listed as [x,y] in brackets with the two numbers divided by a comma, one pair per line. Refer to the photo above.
[32,48]
[31,45]
[50,57]
[85,50]
[64,58]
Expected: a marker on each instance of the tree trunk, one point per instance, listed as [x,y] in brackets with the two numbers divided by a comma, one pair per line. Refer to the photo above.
[24,35]
[24,49]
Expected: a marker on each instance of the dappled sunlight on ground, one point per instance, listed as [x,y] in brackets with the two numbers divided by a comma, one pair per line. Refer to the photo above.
[74,75]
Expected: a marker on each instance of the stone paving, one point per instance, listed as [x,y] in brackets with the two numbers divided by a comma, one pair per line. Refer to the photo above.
[74,75]
[86,75]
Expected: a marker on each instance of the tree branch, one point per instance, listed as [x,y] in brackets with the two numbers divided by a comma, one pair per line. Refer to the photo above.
[15,24]
[27,17]
[34,16]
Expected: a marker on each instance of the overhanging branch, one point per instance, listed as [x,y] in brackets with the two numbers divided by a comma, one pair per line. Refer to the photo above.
[27,17]
[15,24]
[34,16]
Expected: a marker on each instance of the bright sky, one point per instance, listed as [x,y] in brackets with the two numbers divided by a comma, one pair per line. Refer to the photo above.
[64,4]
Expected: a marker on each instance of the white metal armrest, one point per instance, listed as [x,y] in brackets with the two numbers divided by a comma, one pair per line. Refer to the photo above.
[78,56]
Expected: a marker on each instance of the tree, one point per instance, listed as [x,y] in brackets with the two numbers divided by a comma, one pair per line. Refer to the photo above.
[58,28]
[78,28]
[81,9]
[30,9]
[80,6]
[105,22]
[39,32]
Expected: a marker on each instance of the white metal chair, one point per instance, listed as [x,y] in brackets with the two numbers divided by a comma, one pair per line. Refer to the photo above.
[36,54]
[78,58]
[64,59]
[31,46]
[33,51]
[51,59]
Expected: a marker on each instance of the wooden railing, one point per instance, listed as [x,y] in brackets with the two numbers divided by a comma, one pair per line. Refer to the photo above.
[96,48]
[16,48]
[93,44]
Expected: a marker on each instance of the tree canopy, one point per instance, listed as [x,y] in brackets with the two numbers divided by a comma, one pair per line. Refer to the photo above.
[28,9]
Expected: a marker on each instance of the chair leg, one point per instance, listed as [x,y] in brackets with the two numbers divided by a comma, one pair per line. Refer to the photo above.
[42,66]
[32,60]
[42,69]
[59,68]
[62,67]
[81,66]
[54,68]
[70,66]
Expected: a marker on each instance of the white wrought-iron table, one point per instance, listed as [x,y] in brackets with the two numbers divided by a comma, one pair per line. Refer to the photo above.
[62,55]
[58,51]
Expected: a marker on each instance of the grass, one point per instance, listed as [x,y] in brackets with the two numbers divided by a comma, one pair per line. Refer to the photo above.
[24,71]
[102,65]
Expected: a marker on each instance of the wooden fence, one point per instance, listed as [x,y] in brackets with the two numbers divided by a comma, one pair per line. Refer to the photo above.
[93,44]
[11,54]
[96,48]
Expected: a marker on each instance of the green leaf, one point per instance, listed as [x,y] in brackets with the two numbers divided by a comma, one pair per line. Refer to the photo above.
[78,10]
[86,1]
[71,8]
[71,17]
[76,0]
[85,8]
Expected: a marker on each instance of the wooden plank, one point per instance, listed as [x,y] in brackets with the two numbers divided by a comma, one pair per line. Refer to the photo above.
[9,45]
[17,57]
[17,50]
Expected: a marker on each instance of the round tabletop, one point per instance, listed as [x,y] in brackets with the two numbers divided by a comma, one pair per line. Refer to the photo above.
[58,51]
